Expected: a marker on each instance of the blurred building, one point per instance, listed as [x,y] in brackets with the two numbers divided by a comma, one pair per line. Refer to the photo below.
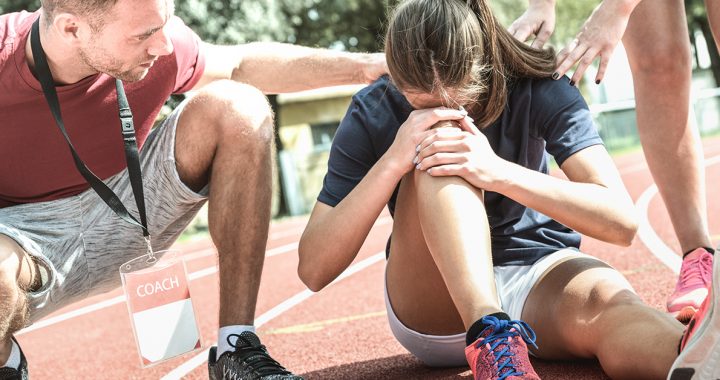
[307,123]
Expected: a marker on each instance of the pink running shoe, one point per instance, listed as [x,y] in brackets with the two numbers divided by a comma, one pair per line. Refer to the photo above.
[692,286]
[699,357]
[500,353]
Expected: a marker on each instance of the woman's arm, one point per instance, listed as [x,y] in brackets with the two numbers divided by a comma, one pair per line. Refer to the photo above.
[593,201]
[334,235]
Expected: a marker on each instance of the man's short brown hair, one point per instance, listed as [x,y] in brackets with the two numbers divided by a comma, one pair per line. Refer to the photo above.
[94,10]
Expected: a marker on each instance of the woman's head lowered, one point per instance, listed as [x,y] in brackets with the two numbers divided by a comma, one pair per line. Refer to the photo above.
[455,53]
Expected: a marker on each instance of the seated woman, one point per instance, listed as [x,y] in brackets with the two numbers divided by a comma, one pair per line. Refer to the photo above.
[485,243]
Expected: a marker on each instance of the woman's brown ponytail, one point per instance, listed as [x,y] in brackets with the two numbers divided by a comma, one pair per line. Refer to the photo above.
[434,45]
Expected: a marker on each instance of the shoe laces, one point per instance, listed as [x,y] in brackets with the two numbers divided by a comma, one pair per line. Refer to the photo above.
[249,350]
[697,270]
[501,333]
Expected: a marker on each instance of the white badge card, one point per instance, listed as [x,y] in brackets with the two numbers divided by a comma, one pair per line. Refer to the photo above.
[160,306]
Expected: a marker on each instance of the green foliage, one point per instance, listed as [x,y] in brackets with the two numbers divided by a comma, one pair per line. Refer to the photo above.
[235,21]
[570,16]
[7,6]
[695,9]
[353,25]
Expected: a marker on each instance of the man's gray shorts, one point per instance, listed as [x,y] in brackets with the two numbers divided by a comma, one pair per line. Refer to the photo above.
[80,243]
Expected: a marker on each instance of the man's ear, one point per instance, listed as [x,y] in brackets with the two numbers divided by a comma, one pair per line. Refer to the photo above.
[70,28]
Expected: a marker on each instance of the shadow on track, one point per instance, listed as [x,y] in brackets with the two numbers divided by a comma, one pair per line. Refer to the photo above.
[406,367]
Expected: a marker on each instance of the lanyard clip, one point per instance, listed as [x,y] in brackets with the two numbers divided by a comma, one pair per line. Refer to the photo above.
[150,253]
[126,122]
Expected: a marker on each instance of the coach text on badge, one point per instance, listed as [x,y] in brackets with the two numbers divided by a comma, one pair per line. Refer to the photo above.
[161,311]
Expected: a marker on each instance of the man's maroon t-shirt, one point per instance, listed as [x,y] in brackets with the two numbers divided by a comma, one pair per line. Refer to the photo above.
[35,162]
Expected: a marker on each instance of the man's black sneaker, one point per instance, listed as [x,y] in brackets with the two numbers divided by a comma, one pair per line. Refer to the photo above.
[21,373]
[249,361]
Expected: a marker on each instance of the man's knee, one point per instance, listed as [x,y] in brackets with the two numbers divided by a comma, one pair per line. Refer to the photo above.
[16,275]
[16,265]
[238,111]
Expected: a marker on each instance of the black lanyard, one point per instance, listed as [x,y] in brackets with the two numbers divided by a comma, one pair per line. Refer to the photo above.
[128,133]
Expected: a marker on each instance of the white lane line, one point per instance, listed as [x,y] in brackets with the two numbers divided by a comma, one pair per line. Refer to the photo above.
[192,276]
[282,249]
[287,233]
[271,314]
[274,251]
[712,161]
[648,235]
[100,305]
[383,221]
[198,254]
[651,239]
[119,299]
[72,314]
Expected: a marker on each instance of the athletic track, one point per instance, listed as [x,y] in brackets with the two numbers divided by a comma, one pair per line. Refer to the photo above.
[341,332]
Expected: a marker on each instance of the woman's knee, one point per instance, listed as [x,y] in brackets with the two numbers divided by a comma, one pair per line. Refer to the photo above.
[424,183]
[668,60]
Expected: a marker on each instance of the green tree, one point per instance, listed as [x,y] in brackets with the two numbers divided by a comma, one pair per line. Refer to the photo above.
[697,20]
[235,21]
[7,6]
[570,15]
[353,25]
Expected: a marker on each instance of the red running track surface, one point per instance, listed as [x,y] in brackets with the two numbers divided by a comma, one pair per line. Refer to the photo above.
[339,333]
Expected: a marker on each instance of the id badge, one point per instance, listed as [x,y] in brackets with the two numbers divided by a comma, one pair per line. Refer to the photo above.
[160,306]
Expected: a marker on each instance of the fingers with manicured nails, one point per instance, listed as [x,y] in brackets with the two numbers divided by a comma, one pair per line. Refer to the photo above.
[562,64]
[417,128]
[448,170]
[425,119]
[442,134]
[585,61]
[443,113]
[434,144]
[543,35]
[559,59]
[604,60]
[422,143]
[456,146]
[571,59]
[441,158]
[468,125]
[423,136]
